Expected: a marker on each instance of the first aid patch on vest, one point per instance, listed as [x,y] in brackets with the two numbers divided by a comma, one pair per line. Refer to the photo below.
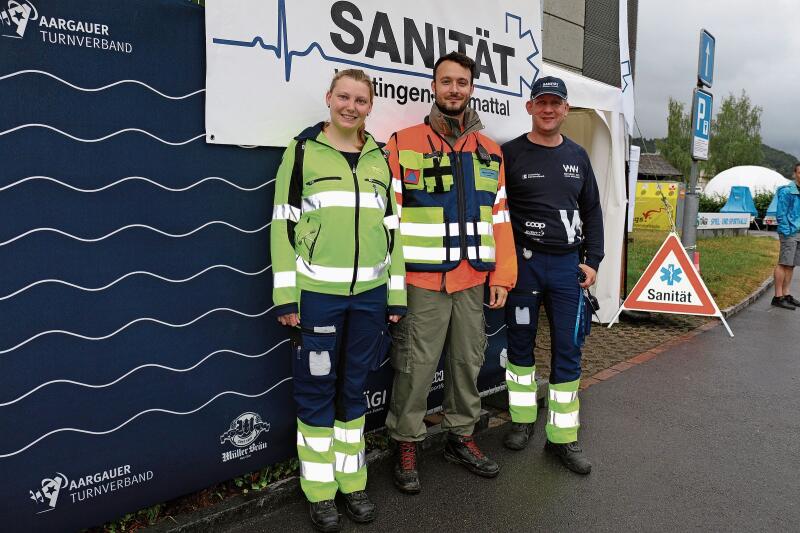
[412,176]
[488,173]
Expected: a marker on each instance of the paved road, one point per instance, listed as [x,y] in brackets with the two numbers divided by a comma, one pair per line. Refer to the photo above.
[704,437]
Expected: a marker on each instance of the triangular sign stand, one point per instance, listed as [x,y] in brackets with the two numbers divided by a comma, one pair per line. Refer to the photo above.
[670,284]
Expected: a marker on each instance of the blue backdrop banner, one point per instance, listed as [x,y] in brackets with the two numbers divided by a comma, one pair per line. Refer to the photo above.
[138,357]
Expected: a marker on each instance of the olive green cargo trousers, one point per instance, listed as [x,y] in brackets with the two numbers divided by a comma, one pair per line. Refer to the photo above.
[436,320]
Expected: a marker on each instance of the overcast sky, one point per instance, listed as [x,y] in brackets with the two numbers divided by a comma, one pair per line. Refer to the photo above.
[757,49]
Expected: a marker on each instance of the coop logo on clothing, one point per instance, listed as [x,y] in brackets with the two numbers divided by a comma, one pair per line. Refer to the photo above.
[86,487]
[572,171]
[60,29]
[243,431]
[14,18]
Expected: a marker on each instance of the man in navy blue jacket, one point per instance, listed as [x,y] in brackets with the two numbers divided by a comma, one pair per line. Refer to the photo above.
[558,231]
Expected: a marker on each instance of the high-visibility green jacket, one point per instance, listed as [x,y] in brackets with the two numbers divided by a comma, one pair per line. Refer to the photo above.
[334,228]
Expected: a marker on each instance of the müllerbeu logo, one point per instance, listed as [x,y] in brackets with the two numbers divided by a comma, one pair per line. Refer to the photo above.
[48,494]
[15,17]
[244,429]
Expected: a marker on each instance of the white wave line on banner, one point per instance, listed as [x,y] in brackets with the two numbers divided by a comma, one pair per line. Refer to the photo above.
[100,139]
[501,328]
[135,178]
[383,363]
[149,365]
[132,322]
[131,226]
[137,415]
[129,274]
[104,87]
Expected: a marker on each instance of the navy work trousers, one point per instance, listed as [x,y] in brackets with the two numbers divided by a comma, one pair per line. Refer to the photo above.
[341,337]
[553,280]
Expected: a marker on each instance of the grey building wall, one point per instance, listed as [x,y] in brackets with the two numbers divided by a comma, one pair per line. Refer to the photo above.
[583,35]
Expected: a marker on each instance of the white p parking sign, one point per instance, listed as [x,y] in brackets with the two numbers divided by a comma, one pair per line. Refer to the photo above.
[701,123]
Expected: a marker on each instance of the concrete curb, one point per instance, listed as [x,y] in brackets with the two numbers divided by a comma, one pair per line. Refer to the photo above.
[755,295]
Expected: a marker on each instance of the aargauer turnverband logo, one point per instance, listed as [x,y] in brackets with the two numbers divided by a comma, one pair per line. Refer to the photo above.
[78,489]
[21,18]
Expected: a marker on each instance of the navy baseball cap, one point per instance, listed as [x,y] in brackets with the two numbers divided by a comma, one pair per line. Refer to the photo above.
[549,85]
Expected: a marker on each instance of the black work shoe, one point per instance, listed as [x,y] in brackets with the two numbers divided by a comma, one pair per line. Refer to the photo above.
[571,456]
[359,507]
[324,515]
[782,302]
[792,300]
[518,436]
[406,477]
[463,450]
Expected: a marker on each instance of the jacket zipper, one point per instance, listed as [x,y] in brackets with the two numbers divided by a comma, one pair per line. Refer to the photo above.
[312,182]
[379,183]
[358,208]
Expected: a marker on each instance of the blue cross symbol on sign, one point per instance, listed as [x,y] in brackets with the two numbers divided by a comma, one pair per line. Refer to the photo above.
[671,274]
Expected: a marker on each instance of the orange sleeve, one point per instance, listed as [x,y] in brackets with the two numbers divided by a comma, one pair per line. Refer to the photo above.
[505,272]
[397,179]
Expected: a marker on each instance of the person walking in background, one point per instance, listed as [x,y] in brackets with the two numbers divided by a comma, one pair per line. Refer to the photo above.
[788,215]
[558,230]
[338,272]
[450,187]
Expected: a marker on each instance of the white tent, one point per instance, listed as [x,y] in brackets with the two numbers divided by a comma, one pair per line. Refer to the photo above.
[758,179]
[595,121]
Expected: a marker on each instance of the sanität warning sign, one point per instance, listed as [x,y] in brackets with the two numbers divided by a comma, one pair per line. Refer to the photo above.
[670,284]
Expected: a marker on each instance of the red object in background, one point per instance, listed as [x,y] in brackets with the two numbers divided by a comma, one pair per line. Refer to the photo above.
[696,261]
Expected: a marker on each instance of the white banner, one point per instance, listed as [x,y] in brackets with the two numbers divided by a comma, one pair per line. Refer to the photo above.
[626,67]
[723,220]
[269,62]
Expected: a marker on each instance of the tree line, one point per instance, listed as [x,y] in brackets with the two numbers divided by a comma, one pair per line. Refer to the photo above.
[735,139]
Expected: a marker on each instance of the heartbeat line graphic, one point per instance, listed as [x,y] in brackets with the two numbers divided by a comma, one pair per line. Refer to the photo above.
[626,73]
[282,51]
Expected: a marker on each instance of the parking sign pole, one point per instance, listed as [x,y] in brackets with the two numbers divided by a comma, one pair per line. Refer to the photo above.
[691,207]
[701,135]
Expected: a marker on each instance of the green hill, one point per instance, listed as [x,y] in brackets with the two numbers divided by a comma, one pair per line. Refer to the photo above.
[778,160]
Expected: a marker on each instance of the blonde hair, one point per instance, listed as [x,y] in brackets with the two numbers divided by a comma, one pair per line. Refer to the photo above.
[355,74]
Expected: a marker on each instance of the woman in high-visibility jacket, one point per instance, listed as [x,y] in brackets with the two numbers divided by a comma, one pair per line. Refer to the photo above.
[338,273]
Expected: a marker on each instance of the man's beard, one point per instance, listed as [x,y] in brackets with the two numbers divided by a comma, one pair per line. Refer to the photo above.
[452,112]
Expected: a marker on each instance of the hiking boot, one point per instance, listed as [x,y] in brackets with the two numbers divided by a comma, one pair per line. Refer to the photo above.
[406,477]
[518,436]
[464,451]
[782,302]
[792,300]
[324,515]
[571,455]
[359,507]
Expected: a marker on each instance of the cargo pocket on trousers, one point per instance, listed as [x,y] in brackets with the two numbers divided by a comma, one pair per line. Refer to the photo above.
[382,346]
[316,353]
[400,352]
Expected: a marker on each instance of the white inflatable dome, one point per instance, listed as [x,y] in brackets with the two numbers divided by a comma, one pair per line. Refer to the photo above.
[758,179]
